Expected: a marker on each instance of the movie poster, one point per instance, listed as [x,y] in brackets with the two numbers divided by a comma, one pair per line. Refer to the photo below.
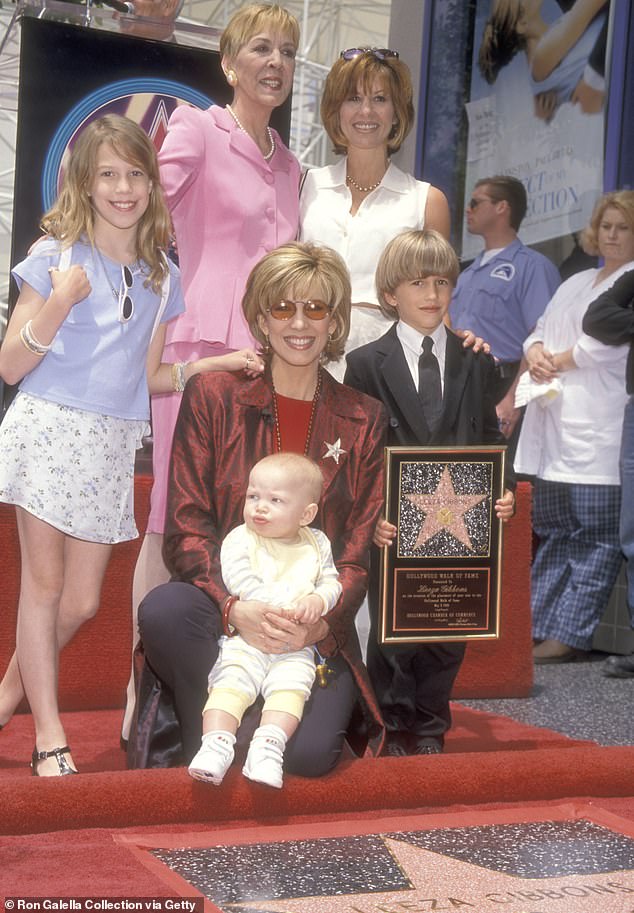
[535,110]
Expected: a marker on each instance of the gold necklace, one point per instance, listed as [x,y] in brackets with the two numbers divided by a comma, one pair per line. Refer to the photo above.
[309,431]
[353,183]
[271,138]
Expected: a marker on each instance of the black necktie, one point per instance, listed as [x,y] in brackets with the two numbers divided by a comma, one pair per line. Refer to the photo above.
[429,386]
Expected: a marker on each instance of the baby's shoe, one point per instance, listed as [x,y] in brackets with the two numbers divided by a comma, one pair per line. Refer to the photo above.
[214,757]
[265,757]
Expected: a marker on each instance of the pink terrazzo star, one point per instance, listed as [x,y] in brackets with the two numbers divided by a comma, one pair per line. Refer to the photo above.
[444,510]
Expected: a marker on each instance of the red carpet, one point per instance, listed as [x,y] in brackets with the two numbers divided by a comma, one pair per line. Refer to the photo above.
[95,667]
[488,759]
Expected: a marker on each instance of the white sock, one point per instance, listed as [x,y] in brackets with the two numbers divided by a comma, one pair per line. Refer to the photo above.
[271,731]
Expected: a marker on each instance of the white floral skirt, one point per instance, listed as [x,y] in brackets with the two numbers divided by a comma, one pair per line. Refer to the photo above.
[71,468]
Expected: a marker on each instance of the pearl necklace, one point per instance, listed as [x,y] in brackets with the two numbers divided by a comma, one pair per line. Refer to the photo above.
[361,189]
[309,431]
[271,138]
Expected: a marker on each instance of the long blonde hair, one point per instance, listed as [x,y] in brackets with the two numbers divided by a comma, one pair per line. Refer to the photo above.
[72,215]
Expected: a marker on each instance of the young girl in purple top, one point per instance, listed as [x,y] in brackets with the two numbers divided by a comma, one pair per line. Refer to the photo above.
[84,342]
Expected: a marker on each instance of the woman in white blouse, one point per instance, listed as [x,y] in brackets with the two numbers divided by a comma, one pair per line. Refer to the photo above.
[362,202]
[570,442]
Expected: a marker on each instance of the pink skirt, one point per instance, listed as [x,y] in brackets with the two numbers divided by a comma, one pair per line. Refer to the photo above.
[165,408]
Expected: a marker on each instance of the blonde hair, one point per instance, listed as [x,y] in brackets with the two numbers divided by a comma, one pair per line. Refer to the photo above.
[251,19]
[342,82]
[298,469]
[413,255]
[298,267]
[501,39]
[72,215]
[623,200]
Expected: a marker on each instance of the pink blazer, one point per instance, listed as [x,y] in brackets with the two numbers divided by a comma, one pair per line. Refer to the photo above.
[229,207]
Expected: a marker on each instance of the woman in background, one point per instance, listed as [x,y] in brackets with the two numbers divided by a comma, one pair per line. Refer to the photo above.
[362,202]
[570,443]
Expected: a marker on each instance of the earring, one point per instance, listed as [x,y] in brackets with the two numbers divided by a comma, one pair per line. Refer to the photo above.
[324,358]
[232,77]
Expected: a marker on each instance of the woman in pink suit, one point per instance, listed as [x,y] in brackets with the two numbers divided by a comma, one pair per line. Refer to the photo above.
[232,189]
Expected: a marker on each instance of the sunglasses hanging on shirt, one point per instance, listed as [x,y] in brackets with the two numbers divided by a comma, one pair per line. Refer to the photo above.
[126,304]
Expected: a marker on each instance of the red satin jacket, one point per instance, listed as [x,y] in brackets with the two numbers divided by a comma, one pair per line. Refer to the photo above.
[226,425]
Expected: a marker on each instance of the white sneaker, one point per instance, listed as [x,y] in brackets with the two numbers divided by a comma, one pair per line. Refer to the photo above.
[265,757]
[214,757]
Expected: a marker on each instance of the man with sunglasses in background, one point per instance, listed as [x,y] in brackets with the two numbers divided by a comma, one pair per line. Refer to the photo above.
[504,292]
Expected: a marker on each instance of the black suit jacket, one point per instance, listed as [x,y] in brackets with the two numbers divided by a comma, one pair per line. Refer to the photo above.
[468,414]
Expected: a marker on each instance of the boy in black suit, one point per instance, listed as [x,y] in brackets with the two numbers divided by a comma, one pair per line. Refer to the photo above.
[436,392]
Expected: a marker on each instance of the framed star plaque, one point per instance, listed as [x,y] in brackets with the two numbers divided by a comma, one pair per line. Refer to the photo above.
[440,578]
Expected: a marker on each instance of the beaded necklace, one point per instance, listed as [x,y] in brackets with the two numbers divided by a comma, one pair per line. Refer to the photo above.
[271,138]
[309,431]
[361,189]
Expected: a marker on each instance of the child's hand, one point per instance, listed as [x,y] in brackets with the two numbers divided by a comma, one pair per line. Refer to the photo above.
[71,285]
[309,609]
[243,360]
[384,533]
[505,506]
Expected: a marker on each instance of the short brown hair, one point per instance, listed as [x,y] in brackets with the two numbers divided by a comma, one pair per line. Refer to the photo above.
[300,469]
[251,19]
[507,189]
[413,255]
[623,200]
[342,81]
[298,266]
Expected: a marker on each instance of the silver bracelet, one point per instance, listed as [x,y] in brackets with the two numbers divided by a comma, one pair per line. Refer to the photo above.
[30,341]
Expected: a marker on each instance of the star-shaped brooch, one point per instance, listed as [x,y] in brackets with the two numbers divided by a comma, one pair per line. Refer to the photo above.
[333,450]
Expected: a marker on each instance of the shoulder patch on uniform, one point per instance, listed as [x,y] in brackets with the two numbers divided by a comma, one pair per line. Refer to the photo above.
[504,271]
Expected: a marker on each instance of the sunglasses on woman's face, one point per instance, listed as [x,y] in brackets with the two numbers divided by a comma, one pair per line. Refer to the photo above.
[285,309]
[126,305]
[379,53]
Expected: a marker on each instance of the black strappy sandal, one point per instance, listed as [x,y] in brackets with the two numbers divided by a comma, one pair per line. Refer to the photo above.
[58,753]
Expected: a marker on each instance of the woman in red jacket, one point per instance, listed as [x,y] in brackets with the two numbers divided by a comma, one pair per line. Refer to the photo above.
[297,304]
